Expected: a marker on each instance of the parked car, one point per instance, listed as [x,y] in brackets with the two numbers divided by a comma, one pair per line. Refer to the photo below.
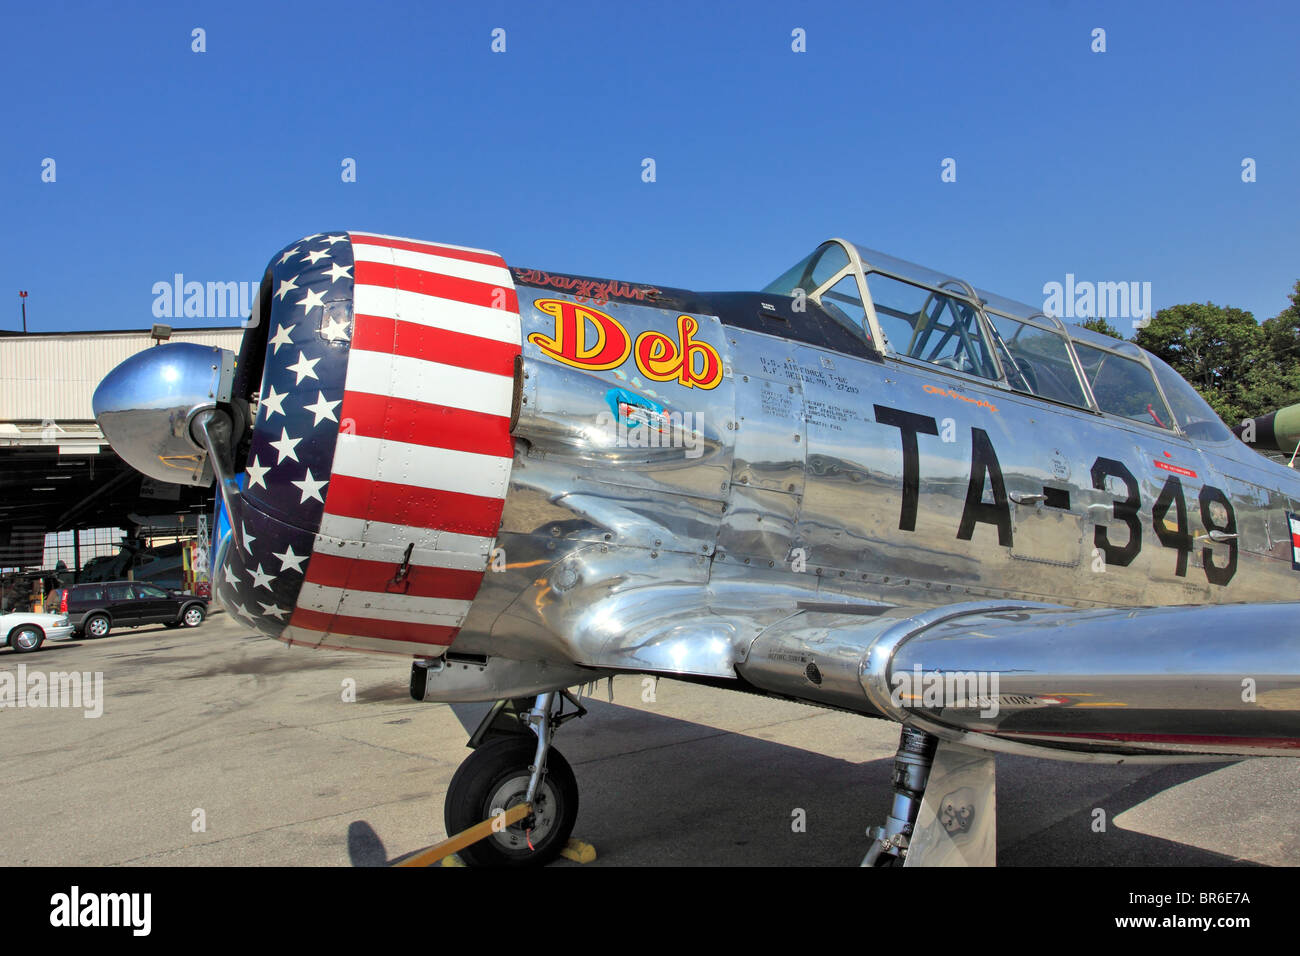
[97,608]
[26,632]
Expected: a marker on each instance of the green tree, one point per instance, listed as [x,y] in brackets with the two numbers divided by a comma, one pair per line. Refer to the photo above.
[1267,386]
[1282,332]
[1275,382]
[1218,350]
[1099,324]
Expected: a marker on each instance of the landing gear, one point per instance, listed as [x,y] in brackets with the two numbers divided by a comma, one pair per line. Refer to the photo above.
[945,806]
[911,773]
[513,763]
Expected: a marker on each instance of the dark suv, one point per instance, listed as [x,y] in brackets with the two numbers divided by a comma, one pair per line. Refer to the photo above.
[95,609]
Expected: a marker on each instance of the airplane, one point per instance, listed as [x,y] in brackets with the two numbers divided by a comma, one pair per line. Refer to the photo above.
[867,486]
[1276,434]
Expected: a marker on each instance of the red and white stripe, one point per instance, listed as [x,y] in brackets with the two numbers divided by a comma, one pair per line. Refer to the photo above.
[424,449]
[1295,539]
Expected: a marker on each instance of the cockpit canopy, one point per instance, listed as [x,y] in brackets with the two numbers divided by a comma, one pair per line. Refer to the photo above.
[911,313]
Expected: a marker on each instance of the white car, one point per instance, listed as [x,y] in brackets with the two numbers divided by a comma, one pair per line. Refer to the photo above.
[26,632]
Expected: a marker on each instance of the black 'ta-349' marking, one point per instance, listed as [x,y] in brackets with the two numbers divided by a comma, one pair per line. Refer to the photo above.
[909,424]
[1125,511]
[984,461]
[986,469]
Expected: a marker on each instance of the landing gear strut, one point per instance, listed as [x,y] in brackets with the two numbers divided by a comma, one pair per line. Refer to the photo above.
[911,773]
[513,763]
[945,806]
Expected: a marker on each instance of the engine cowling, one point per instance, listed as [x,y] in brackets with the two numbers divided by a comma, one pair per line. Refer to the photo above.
[371,480]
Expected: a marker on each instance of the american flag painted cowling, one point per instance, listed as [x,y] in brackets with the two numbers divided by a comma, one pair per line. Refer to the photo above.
[381,452]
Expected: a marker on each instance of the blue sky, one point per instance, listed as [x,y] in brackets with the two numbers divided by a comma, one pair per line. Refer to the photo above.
[1115,166]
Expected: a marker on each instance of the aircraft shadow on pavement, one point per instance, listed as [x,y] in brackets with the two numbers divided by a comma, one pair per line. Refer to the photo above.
[657,790]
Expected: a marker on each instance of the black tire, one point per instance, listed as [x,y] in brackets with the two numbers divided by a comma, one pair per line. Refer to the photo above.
[96,626]
[26,638]
[495,777]
[192,616]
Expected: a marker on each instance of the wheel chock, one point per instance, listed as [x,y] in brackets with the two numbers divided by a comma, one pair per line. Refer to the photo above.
[578,852]
[464,838]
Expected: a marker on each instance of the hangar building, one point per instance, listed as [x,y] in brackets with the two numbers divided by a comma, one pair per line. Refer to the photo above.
[65,496]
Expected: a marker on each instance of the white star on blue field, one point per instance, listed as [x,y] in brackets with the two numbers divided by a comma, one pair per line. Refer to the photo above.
[288,475]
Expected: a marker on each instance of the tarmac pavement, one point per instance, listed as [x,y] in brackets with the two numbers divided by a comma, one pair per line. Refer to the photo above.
[220,747]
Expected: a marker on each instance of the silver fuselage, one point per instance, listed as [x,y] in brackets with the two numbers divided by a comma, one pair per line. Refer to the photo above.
[745,489]
[799,493]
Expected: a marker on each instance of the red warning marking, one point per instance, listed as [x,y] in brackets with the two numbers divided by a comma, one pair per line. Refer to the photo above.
[1177,470]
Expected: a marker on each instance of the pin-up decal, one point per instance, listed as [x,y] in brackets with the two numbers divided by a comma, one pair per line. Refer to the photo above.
[633,410]
[589,339]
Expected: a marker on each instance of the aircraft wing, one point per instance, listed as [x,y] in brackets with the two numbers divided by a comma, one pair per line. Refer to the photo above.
[1021,677]
[1010,676]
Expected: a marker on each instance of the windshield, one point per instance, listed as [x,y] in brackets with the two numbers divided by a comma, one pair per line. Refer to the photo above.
[809,273]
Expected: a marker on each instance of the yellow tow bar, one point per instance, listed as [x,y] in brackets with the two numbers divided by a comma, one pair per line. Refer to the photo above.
[468,837]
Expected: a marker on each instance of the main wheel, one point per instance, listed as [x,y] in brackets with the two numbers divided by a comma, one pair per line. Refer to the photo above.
[495,778]
[97,625]
[26,638]
[193,616]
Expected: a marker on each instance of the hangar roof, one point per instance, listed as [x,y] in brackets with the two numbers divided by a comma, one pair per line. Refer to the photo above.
[52,376]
